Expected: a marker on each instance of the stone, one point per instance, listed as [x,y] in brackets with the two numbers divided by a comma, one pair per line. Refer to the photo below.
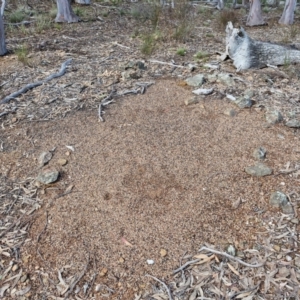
[277,248]
[192,100]
[140,65]
[283,272]
[278,199]
[294,123]
[24,278]
[226,79]
[229,112]
[196,80]
[212,78]
[15,267]
[287,208]
[130,65]
[259,170]
[48,175]
[62,161]
[231,250]
[249,93]
[243,102]
[259,153]
[192,67]
[273,116]
[150,261]
[131,74]
[163,252]
[295,221]
[44,158]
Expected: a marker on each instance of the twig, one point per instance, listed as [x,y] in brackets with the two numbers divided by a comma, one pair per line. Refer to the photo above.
[94,277]
[19,24]
[186,265]
[165,286]
[103,103]
[71,288]
[287,172]
[44,229]
[30,86]
[232,257]
[165,63]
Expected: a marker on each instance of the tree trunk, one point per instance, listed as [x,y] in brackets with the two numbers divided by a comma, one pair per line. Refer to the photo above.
[247,53]
[220,4]
[287,17]
[65,12]
[2,36]
[255,15]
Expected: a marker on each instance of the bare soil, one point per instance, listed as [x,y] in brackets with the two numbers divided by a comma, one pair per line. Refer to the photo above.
[157,174]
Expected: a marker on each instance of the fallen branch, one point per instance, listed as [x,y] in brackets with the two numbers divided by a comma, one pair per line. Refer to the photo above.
[19,24]
[72,286]
[232,257]
[154,61]
[30,86]
[44,229]
[165,286]
[186,265]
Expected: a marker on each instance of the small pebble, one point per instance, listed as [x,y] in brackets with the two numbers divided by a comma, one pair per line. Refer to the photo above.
[150,261]
[15,268]
[276,248]
[295,221]
[288,258]
[163,252]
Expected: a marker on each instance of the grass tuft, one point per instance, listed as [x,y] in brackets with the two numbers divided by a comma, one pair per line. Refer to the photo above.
[225,16]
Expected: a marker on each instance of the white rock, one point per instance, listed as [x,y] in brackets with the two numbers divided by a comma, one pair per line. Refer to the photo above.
[150,261]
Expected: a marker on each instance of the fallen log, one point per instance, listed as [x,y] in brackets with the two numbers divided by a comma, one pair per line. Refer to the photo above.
[247,53]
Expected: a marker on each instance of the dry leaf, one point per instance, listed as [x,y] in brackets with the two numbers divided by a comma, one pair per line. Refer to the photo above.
[236,203]
[233,269]
[126,242]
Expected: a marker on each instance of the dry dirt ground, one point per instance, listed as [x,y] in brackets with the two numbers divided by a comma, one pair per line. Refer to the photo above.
[156,181]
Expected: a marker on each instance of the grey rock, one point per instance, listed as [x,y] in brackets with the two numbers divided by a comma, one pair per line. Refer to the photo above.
[196,80]
[231,250]
[226,79]
[140,65]
[131,74]
[243,102]
[230,112]
[273,116]
[278,199]
[295,221]
[192,67]
[192,100]
[48,175]
[129,65]
[249,93]
[259,153]
[287,209]
[44,158]
[212,78]
[294,123]
[259,170]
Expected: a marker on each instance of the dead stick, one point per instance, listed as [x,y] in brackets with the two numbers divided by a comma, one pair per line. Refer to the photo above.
[44,229]
[232,257]
[165,286]
[165,63]
[71,288]
[30,86]
[186,265]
